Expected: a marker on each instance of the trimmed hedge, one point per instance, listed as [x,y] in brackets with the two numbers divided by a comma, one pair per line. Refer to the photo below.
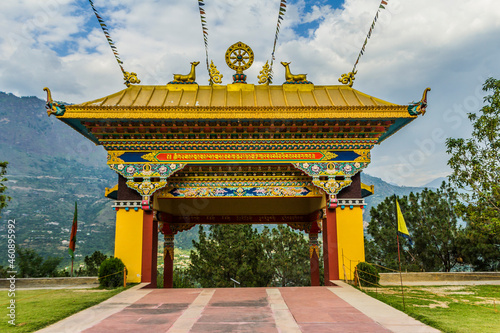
[111,273]
[368,275]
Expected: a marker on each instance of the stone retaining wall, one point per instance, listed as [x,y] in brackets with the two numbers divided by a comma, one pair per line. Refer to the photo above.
[393,278]
[90,281]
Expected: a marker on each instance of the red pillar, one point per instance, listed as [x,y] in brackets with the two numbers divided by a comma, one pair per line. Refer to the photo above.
[330,247]
[149,249]
[314,254]
[168,260]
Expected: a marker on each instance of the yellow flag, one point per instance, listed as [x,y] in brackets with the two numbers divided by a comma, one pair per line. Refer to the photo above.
[402,224]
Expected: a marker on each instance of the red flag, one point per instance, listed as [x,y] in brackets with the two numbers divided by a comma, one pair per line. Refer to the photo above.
[72,238]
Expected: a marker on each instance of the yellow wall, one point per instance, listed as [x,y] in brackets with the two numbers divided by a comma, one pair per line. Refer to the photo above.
[350,239]
[128,241]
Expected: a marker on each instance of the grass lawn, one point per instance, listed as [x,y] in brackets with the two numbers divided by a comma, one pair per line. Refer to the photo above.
[448,308]
[36,309]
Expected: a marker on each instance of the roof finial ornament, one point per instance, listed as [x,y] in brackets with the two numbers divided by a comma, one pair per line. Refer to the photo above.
[416,108]
[348,78]
[239,57]
[215,75]
[293,78]
[265,76]
[188,78]
[130,78]
[53,107]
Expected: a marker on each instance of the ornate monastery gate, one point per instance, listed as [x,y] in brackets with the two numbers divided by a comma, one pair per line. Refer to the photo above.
[187,154]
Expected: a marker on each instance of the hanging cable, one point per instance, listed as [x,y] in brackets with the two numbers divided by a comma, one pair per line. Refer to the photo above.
[130,78]
[204,29]
[281,15]
[214,75]
[349,78]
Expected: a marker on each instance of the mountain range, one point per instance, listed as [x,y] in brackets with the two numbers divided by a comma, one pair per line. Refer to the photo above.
[51,167]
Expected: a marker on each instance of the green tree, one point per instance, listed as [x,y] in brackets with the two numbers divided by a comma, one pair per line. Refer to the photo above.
[3,198]
[31,264]
[93,262]
[229,251]
[288,254]
[476,169]
[433,225]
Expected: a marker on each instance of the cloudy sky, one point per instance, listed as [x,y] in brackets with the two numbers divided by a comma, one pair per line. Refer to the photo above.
[451,46]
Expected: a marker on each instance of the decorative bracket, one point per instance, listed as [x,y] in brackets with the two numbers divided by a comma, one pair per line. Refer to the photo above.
[145,178]
[331,177]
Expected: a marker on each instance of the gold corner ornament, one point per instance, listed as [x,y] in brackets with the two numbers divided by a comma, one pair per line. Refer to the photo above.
[329,155]
[239,57]
[215,75]
[114,157]
[265,74]
[150,156]
[364,155]
[130,78]
[348,78]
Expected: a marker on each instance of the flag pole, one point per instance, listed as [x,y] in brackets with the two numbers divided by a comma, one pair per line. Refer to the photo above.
[399,254]
[400,275]
[72,237]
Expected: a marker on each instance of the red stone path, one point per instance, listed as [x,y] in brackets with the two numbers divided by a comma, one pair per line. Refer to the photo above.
[305,309]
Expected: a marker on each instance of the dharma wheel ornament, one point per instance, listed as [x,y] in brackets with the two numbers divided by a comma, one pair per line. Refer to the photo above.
[239,57]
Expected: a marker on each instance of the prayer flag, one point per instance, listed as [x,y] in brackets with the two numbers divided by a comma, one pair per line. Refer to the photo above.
[402,230]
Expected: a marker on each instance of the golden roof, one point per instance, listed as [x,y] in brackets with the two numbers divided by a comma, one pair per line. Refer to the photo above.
[237,95]
[242,101]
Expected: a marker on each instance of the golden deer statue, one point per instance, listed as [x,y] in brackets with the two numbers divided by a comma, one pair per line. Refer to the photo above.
[191,77]
[290,77]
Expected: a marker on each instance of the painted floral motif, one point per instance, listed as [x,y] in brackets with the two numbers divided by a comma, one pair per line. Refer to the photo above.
[347,168]
[148,170]
[315,168]
[130,170]
[237,192]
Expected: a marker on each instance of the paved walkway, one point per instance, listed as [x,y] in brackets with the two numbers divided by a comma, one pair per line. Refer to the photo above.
[306,309]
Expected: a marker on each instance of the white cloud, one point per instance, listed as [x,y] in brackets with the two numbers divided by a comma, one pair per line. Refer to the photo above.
[448,45]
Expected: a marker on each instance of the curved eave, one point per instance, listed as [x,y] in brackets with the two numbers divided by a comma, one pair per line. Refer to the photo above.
[80,128]
[399,124]
[207,113]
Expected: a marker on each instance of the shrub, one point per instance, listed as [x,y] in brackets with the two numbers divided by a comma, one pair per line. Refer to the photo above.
[368,274]
[111,273]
